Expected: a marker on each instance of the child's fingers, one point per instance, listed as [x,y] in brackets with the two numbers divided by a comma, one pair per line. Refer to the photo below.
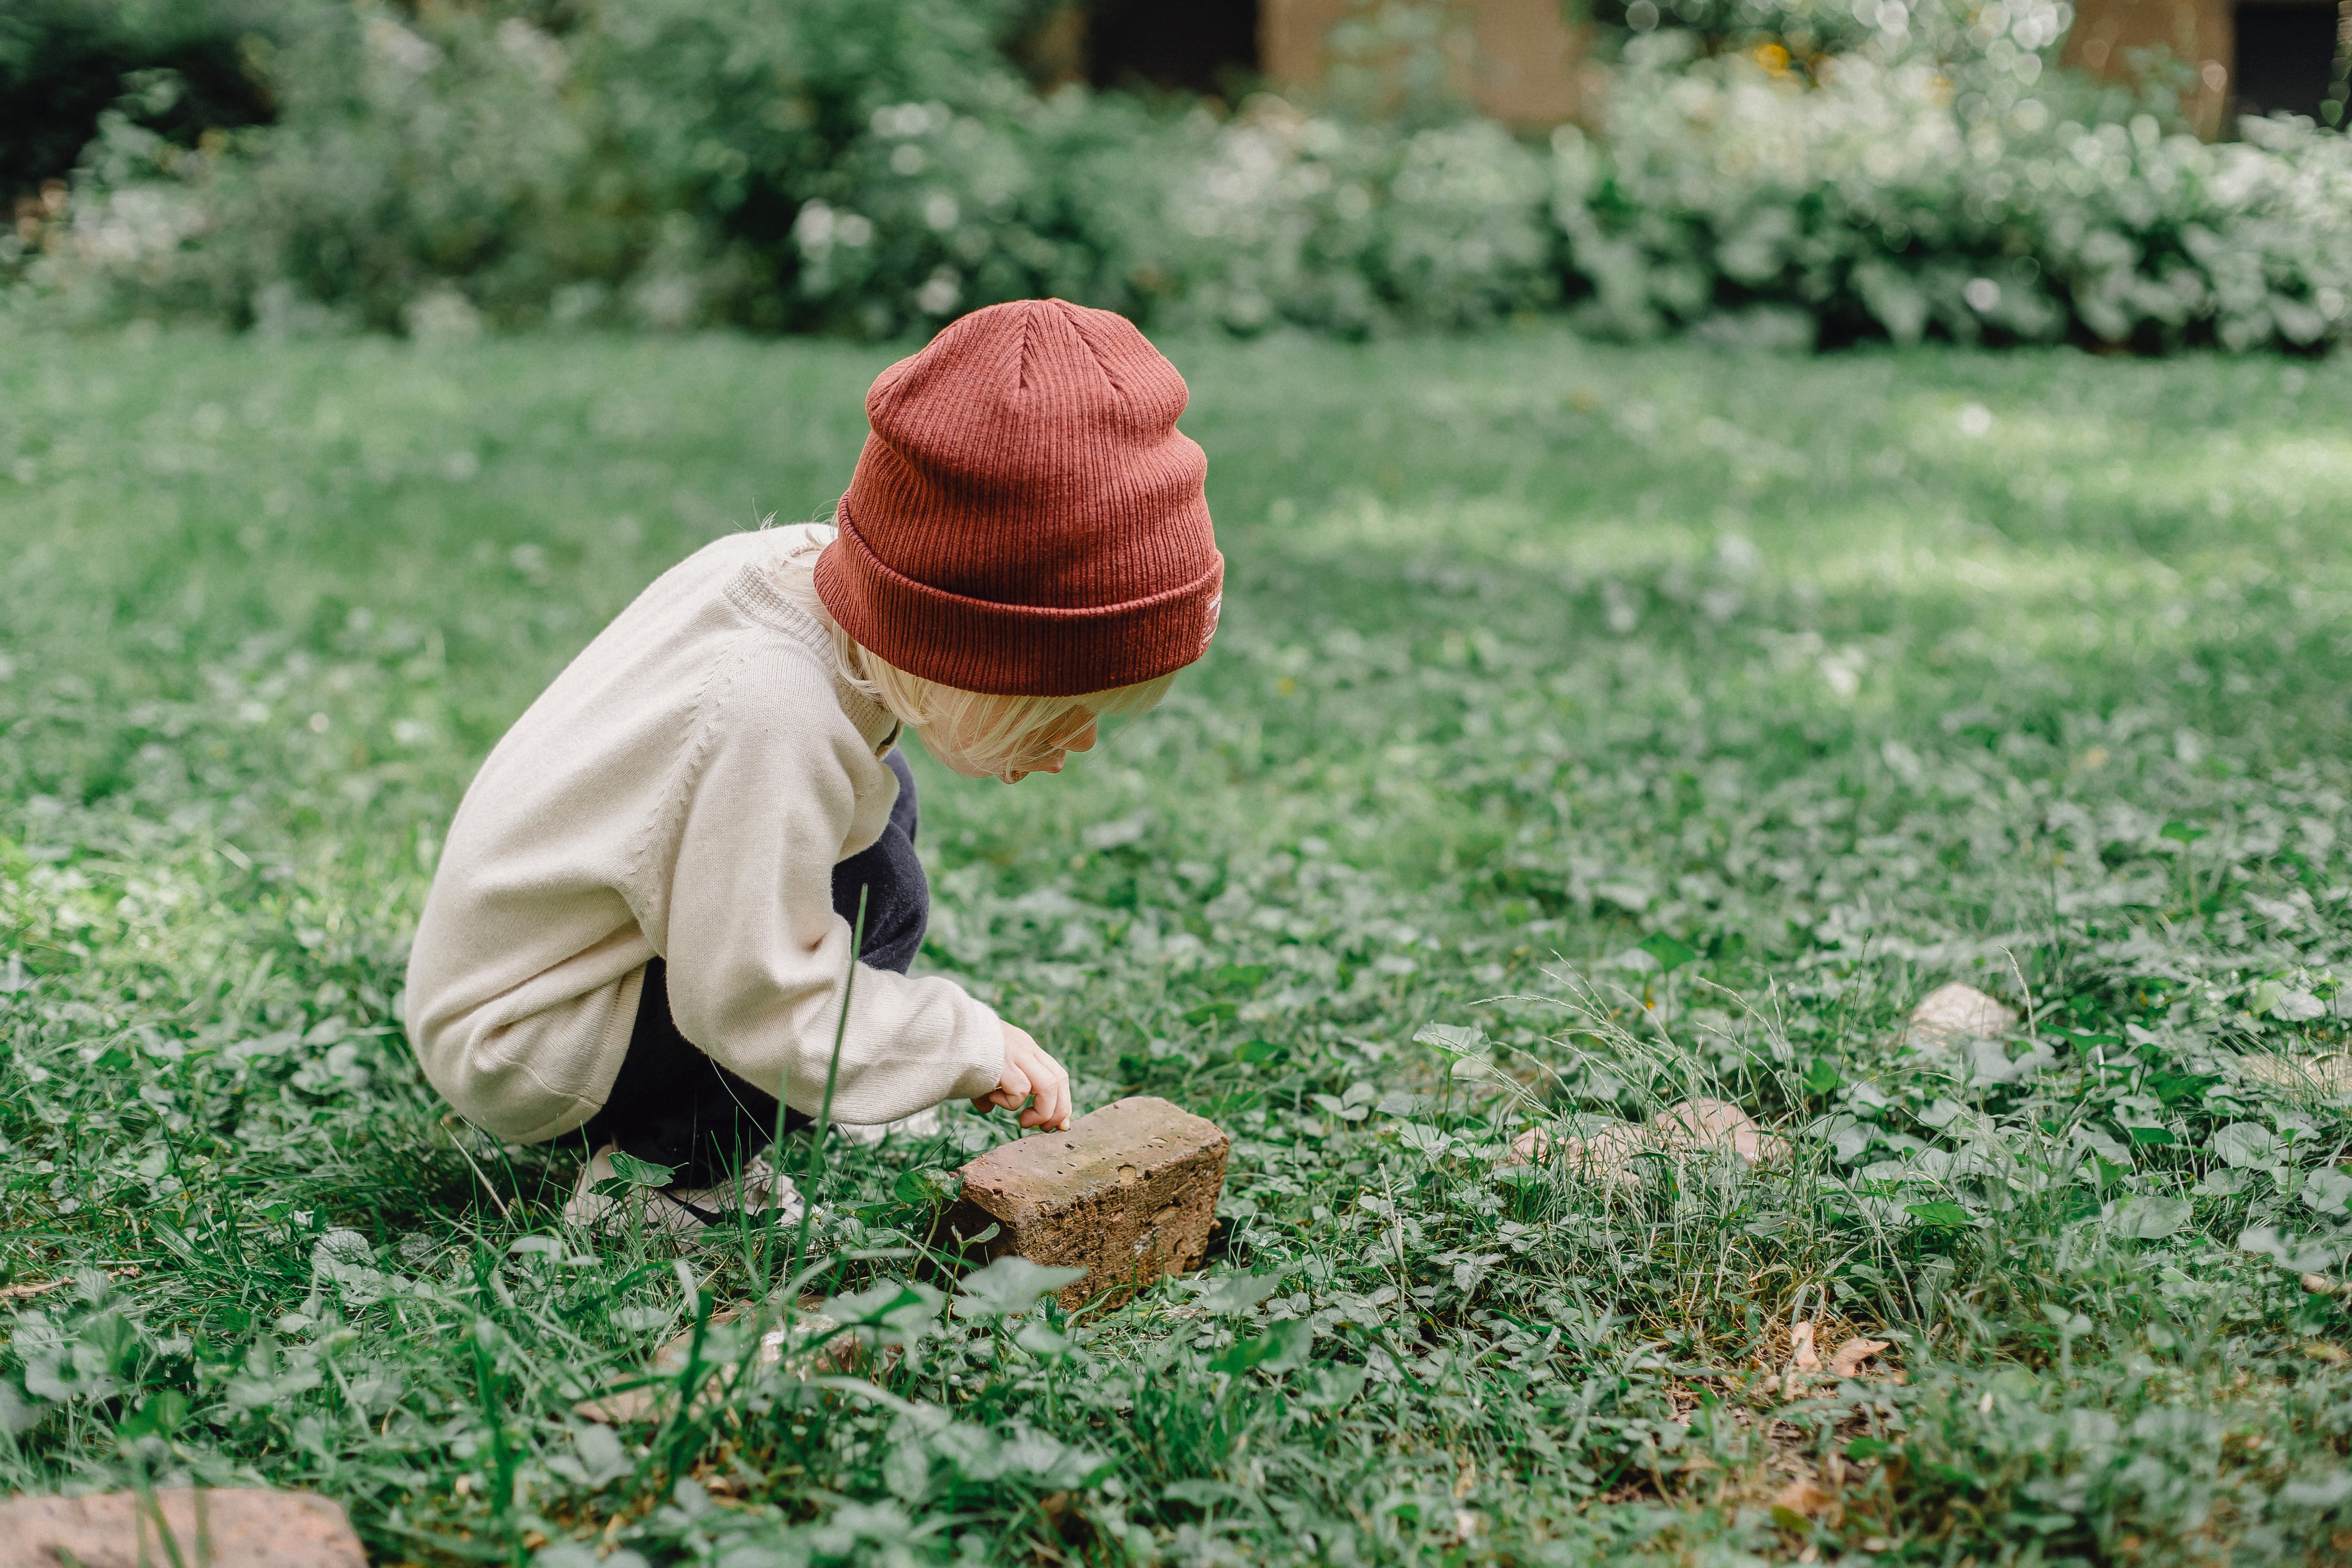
[1014,1082]
[1013,1087]
[1054,1099]
[1029,1070]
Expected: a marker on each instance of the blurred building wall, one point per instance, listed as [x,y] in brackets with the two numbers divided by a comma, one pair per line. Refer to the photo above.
[2249,56]
[1520,61]
[2197,32]
[1525,69]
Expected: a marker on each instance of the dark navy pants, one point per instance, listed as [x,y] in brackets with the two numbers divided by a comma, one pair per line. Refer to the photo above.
[673,1105]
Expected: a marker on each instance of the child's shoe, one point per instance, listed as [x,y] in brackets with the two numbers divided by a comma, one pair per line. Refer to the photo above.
[922,1124]
[759,1195]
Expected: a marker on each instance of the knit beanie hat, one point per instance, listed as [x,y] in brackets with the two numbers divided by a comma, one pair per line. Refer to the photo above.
[1025,519]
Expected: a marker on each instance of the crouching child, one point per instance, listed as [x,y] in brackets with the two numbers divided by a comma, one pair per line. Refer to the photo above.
[640,931]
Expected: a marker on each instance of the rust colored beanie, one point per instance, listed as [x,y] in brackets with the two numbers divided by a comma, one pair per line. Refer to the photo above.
[1025,519]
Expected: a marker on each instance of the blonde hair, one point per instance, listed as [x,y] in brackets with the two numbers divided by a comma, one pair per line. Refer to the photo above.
[989,733]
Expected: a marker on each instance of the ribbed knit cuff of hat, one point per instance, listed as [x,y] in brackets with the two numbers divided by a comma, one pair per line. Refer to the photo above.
[1025,519]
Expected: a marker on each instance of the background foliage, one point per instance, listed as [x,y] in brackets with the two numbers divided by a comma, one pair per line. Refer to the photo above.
[1967,191]
[1794,174]
[63,63]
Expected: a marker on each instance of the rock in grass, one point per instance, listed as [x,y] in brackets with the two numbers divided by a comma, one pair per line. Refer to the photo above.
[1603,1152]
[1612,1153]
[1952,1014]
[1127,1192]
[243,1528]
[818,1349]
[2326,1075]
[1697,1124]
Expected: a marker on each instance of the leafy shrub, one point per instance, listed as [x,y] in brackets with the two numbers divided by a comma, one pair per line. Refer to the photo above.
[1879,202]
[933,211]
[62,64]
[820,164]
[1312,220]
[814,165]
[646,162]
[1805,31]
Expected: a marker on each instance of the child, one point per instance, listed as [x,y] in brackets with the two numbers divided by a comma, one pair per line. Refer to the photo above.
[640,931]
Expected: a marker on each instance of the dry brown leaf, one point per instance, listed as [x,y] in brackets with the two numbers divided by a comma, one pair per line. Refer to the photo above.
[1804,1497]
[43,1286]
[1848,1358]
[26,1292]
[1801,1354]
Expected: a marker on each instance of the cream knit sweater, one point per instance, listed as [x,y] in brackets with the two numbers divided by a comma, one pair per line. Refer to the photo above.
[683,789]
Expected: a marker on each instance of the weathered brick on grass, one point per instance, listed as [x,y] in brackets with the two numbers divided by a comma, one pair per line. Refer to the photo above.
[237,1527]
[1127,1192]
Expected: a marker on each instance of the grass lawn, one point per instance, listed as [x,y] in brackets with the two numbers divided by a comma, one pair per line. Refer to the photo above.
[1588,729]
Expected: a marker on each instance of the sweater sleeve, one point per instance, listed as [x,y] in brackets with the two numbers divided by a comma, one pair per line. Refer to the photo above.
[758,959]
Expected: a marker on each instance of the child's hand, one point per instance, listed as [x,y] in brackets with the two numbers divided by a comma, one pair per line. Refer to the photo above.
[1029,1070]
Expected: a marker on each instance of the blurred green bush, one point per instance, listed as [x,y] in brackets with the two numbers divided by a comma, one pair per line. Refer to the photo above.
[1963,192]
[63,63]
[833,165]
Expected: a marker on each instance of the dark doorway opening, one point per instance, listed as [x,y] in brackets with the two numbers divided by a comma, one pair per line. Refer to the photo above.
[1199,46]
[2286,56]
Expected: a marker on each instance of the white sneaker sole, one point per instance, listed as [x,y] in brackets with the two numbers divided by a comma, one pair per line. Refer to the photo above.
[759,1197]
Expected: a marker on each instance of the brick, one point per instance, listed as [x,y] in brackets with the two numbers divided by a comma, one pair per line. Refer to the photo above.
[1127,1192]
[237,1527]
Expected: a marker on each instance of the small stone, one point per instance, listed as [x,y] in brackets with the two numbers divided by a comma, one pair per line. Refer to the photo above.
[1127,1192]
[1952,1013]
[1611,1152]
[1718,1124]
[2326,1075]
[1602,1151]
[238,1528]
[819,1349]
